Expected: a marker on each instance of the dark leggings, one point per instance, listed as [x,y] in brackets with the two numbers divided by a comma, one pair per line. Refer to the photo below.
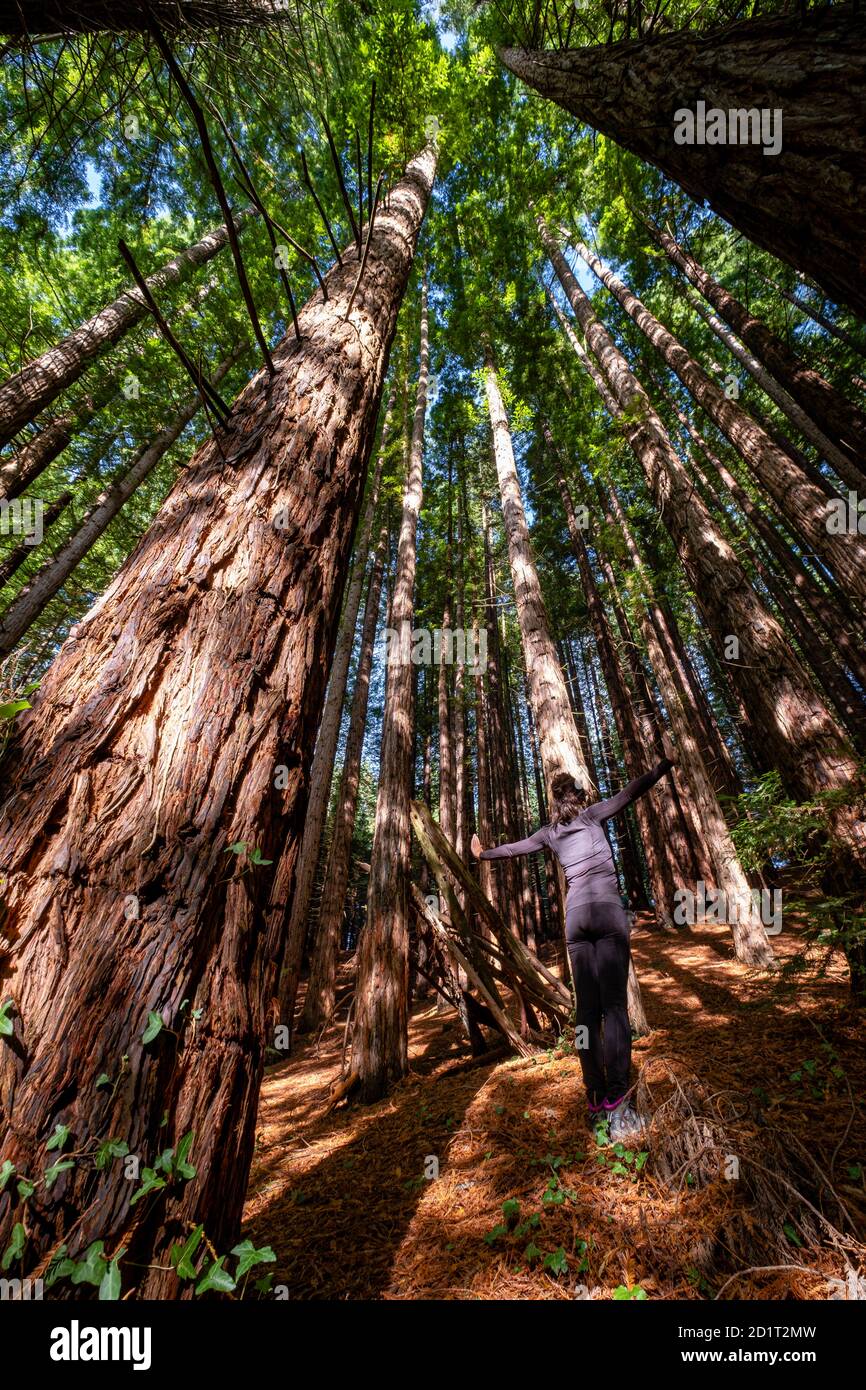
[597,935]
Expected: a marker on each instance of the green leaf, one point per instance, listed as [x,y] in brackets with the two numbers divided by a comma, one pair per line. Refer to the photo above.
[51,1174]
[791,1233]
[264,1284]
[154,1027]
[150,1183]
[532,1252]
[621,1293]
[15,1249]
[103,1080]
[26,1188]
[248,1256]
[215,1277]
[511,1209]
[556,1261]
[91,1269]
[58,1138]
[181,1167]
[256,858]
[109,1285]
[638,1294]
[237,848]
[13,707]
[7,1027]
[111,1149]
[7,1168]
[495,1234]
[181,1255]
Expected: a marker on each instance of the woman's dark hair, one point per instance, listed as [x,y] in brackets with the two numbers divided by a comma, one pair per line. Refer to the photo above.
[568,799]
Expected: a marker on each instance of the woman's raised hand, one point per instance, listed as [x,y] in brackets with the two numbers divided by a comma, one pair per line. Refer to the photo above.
[475,846]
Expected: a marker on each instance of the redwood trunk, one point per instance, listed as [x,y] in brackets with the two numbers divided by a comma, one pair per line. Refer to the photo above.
[806,204]
[151,748]
[380,1054]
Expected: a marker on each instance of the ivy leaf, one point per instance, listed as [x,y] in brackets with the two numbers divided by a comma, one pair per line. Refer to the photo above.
[150,1183]
[181,1255]
[791,1233]
[531,1253]
[237,848]
[51,1174]
[103,1080]
[181,1167]
[154,1026]
[215,1277]
[91,1269]
[248,1256]
[7,1168]
[556,1261]
[26,1188]
[111,1149]
[109,1285]
[7,1027]
[58,1138]
[15,1249]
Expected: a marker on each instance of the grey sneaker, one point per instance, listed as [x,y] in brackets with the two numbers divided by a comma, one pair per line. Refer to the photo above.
[624,1123]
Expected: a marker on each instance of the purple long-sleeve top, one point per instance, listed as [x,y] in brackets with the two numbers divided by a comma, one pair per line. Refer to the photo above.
[581,845]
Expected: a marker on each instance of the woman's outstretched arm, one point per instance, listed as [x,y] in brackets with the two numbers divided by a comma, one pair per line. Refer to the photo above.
[603,810]
[538,840]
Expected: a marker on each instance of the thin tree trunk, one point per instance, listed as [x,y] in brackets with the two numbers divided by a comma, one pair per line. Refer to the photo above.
[847,468]
[816,316]
[380,1038]
[319,1000]
[558,739]
[803,505]
[837,416]
[326,747]
[806,204]
[37,384]
[654,809]
[24,467]
[32,599]
[150,750]
[15,559]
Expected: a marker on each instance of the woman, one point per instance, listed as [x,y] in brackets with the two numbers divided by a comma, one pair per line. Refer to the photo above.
[597,934]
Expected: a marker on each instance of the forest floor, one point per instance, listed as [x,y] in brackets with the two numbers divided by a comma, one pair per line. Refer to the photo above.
[770,1070]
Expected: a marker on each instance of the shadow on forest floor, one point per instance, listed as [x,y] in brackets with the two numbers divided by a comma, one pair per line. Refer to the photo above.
[343,1200]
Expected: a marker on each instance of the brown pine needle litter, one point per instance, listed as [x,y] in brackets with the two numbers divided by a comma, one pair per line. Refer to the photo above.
[479,1179]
